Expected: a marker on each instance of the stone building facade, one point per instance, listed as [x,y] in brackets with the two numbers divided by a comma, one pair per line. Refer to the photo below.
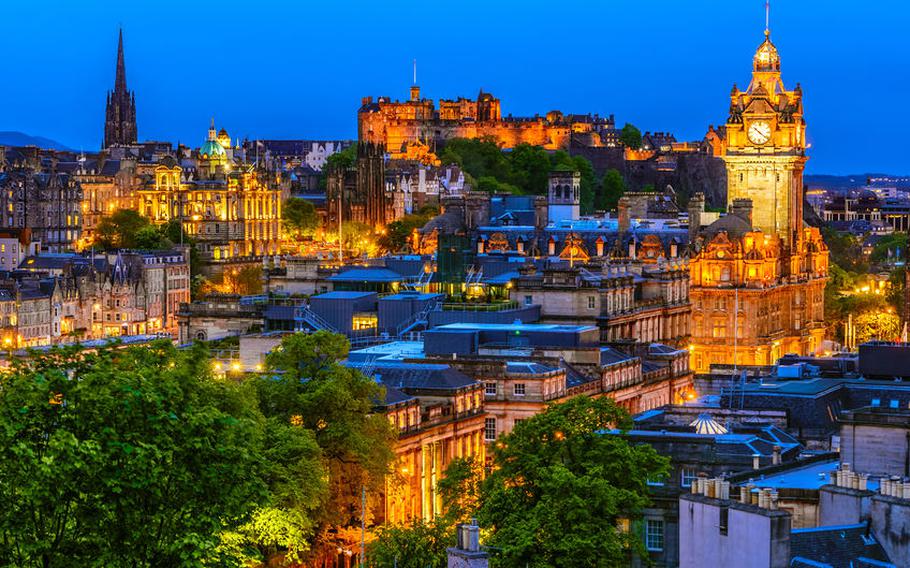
[232,209]
[758,274]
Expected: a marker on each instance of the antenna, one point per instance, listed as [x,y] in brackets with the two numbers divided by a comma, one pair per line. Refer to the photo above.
[415,71]
[767,17]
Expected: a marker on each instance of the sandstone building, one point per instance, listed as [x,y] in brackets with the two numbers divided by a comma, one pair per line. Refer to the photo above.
[404,127]
[758,274]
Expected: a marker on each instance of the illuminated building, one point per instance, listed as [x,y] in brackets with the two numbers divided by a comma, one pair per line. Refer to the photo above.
[758,274]
[229,207]
[38,194]
[409,129]
[120,110]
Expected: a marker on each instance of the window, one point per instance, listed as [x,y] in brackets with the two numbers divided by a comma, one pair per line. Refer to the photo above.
[686,476]
[490,389]
[518,389]
[529,300]
[876,402]
[658,482]
[591,302]
[489,429]
[654,535]
[724,520]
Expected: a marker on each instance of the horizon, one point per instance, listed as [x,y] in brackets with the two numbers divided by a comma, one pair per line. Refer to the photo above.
[306,80]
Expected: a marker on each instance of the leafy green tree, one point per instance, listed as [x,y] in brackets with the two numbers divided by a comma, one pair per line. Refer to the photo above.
[341,160]
[630,136]
[490,184]
[299,217]
[335,402]
[530,168]
[845,250]
[416,545]
[124,457]
[398,233]
[561,487]
[613,186]
[459,489]
[126,228]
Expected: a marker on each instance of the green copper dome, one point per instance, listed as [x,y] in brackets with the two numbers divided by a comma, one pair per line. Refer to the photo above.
[212,150]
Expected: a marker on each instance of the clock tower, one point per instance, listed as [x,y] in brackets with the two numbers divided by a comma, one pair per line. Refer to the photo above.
[765,148]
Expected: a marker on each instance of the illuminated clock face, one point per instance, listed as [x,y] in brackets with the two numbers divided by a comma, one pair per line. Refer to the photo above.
[759,132]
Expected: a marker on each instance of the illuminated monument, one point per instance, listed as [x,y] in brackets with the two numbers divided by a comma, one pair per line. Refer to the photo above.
[120,110]
[758,274]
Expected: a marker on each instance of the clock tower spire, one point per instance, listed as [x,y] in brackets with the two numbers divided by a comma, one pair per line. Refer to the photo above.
[764,152]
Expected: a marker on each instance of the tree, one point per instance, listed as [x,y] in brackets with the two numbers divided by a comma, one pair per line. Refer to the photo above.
[612,189]
[245,281]
[358,238]
[562,484]
[336,402]
[341,160]
[459,489]
[124,457]
[299,217]
[417,545]
[630,136]
[398,233]
[125,228]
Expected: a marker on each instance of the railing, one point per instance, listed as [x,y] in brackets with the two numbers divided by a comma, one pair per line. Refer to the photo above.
[479,307]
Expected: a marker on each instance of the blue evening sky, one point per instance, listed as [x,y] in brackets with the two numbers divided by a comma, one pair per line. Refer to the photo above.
[298,69]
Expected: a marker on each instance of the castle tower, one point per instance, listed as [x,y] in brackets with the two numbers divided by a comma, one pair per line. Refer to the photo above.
[563,195]
[120,111]
[765,149]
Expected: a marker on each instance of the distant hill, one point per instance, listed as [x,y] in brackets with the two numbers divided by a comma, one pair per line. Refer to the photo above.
[854,181]
[13,138]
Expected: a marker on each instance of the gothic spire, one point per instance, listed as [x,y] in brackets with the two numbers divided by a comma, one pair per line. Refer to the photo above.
[120,81]
[120,107]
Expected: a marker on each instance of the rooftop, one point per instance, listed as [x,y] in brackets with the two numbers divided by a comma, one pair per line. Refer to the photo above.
[518,327]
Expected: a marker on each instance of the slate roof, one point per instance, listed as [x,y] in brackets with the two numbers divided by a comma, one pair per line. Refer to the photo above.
[835,547]
[418,376]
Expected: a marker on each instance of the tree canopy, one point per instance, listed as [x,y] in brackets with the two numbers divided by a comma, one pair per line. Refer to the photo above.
[131,457]
[525,169]
[612,188]
[126,228]
[299,217]
[562,486]
[630,136]
[336,403]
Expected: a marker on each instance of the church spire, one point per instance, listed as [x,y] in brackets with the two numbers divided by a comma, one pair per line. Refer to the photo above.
[120,81]
[120,111]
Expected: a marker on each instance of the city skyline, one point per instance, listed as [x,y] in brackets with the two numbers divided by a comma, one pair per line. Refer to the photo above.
[229,64]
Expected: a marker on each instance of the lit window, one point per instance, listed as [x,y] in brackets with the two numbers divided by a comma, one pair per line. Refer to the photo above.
[654,535]
[489,429]
[519,389]
[490,389]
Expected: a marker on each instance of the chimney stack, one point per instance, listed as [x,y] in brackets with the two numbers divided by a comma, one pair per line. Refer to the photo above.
[775,455]
[742,208]
[467,552]
[624,213]
[696,211]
